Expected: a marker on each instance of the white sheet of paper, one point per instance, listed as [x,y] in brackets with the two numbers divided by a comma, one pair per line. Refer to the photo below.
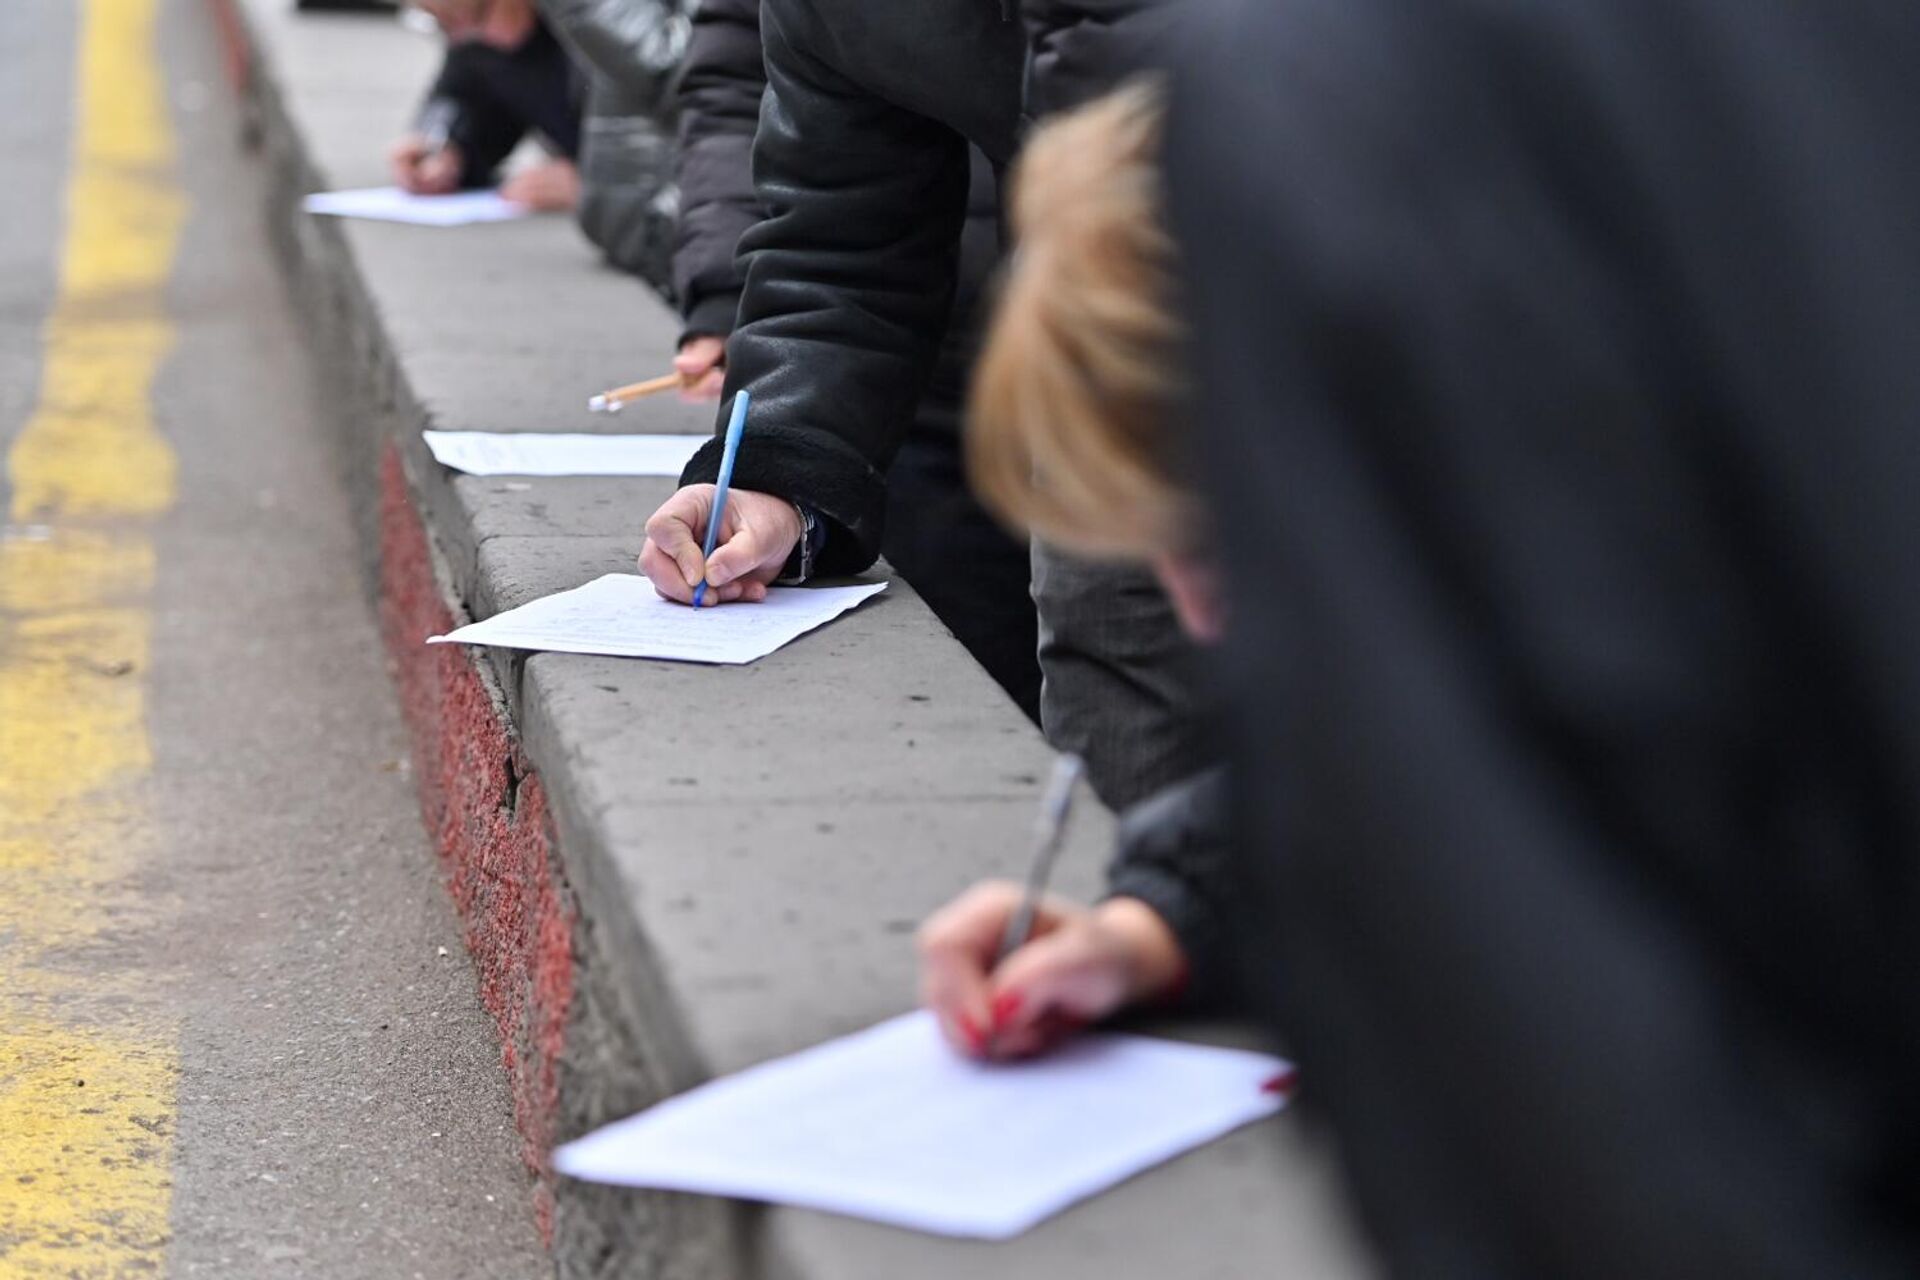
[499,453]
[391,204]
[890,1124]
[622,615]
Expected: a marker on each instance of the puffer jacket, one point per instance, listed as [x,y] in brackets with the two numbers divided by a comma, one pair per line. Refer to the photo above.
[633,50]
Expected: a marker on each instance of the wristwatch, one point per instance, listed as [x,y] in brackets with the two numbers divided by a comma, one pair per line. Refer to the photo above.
[813,536]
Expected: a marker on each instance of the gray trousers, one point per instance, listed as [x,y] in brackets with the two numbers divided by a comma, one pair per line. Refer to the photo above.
[1120,683]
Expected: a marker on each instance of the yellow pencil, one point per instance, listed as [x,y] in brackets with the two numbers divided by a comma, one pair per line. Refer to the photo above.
[611,401]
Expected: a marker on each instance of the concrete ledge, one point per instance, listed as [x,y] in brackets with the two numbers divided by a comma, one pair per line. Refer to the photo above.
[670,871]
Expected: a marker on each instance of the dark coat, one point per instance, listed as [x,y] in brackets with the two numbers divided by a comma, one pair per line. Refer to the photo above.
[965,566]
[498,96]
[851,278]
[721,87]
[1559,370]
[862,163]
[719,106]
[868,324]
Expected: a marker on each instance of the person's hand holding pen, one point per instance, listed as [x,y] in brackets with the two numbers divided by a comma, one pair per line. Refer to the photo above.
[1080,965]
[702,366]
[424,169]
[757,536]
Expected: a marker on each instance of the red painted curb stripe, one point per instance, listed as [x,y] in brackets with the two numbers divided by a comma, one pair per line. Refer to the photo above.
[236,53]
[487,814]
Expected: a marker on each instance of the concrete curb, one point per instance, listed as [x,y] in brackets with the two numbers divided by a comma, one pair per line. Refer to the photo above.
[632,936]
[482,802]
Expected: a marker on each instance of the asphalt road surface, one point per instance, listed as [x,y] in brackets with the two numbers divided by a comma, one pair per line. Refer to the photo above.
[239,1035]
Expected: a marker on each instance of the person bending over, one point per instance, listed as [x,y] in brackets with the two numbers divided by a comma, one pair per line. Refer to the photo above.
[862,165]
[504,76]
[971,573]
[1075,407]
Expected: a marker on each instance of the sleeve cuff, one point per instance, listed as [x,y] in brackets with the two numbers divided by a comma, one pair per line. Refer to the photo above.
[710,316]
[815,469]
[1173,902]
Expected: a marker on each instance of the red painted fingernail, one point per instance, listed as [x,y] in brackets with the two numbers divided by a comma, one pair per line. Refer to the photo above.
[1005,1006]
[976,1042]
[1283,1082]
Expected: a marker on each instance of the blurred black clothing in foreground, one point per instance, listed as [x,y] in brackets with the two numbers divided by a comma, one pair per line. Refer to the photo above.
[1559,370]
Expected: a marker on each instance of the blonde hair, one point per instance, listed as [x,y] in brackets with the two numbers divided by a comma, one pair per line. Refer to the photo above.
[1070,426]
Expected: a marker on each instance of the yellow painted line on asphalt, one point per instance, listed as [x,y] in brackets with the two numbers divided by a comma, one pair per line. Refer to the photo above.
[87,1059]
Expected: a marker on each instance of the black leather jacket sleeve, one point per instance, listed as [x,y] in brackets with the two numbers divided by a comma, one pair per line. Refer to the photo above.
[720,92]
[850,283]
[484,129]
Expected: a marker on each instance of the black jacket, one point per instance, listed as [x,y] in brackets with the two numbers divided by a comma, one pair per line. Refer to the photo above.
[861,160]
[862,163]
[721,88]
[498,96]
[867,325]
[1559,366]
[1078,47]
[719,109]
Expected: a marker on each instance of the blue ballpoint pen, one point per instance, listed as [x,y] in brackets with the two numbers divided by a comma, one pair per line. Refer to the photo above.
[735,425]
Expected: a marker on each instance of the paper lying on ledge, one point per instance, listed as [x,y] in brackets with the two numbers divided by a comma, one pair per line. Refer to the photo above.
[892,1125]
[620,614]
[498,453]
[391,204]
